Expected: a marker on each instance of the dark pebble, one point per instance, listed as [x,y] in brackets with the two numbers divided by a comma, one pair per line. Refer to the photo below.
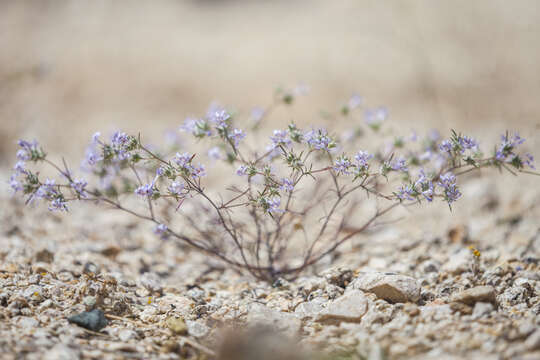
[92,320]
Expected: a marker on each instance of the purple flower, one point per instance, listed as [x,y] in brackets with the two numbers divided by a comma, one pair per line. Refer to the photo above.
[362,158]
[280,137]
[29,151]
[198,171]
[146,190]
[342,165]
[424,185]
[446,146]
[19,168]
[215,153]
[319,140]
[271,205]
[242,170]
[120,143]
[448,183]
[468,143]
[286,185]
[176,188]
[197,127]
[376,116]
[507,147]
[355,101]
[95,137]
[405,192]
[257,114]
[161,230]
[236,136]
[47,190]
[183,160]
[399,165]
[219,119]
[23,155]
[58,204]
[15,184]
[80,187]
[529,160]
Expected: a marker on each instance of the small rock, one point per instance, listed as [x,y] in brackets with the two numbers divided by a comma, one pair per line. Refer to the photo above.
[338,276]
[196,328]
[481,309]
[459,262]
[126,334]
[177,325]
[89,302]
[44,256]
[388,286]
[62,352]
[309,309]
[151,282]
[476,294]
[280,321]
[349,307]
[92,320]
[462,308]
[533,341]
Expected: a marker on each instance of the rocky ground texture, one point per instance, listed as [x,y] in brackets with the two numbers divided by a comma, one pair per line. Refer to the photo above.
[398,293]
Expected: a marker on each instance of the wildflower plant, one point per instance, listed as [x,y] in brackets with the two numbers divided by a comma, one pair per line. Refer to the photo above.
[265,223]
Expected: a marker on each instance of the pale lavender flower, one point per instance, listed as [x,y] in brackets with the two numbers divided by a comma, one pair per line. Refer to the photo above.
[23,155]
[446,146]
[219,118]
[120,142]
[236,136]
[183,160]
[286,185]
[468,143]
[197,127]
[80,187]
[319,140]
[355,101]
[242,170]
[257,114]
[301,90]
[198,171]
[58,204]
[15,184]
[20,168]
[424,185]
[374,117]
[272,205]
[95,137]
[448,183]
[399,165]
[176,188]
[529,161]
[508,145]
[405,193]
[215,153]
[280,137]
[146,190]
[160,171]
[161,230]
[342,165]
[362,158]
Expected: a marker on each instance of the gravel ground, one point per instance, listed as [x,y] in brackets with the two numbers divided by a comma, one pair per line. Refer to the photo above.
[412,290]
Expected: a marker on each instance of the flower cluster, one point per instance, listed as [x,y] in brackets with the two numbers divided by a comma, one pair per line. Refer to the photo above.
[276,187]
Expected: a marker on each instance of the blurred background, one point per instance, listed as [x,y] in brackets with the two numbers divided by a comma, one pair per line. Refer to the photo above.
[69,68]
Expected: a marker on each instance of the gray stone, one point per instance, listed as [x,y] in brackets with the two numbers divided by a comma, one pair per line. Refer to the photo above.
[61,352]
[197,329]
[92,320]
[280,321]
[388,286]
[533,341]
[476,294]
[126,334]
[459,262]
[481,309]
[349,307]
